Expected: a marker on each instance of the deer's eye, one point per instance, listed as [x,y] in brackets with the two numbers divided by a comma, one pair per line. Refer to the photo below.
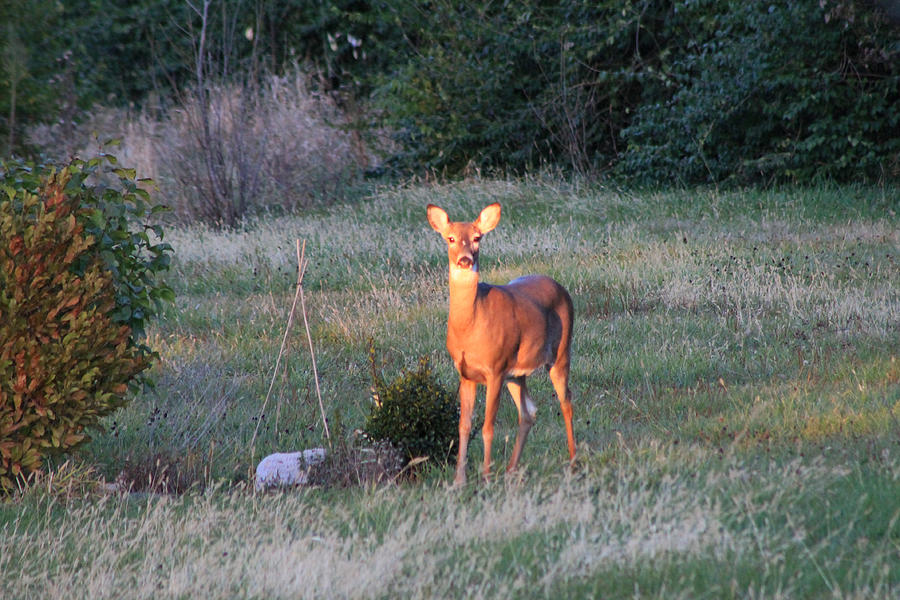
[476,239]
[451,239]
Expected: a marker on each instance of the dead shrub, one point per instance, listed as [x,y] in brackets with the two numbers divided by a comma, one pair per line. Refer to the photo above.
[359,462]
[229,150]
[164,473]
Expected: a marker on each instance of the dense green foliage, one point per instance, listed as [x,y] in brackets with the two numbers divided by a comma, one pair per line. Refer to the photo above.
[514,85]
[753,91]
[414,412]
[655,90]
[77,53]
[692,90]
[77,285]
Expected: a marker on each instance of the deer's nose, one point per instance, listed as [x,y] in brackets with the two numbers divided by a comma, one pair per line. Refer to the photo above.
[464,262]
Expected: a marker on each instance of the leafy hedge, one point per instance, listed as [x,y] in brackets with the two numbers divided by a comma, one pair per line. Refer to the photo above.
[76,288]
[692,90]
[513,85]
[783,90]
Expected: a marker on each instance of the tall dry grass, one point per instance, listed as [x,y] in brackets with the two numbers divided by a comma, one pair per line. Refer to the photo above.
[731,530]
[228,153]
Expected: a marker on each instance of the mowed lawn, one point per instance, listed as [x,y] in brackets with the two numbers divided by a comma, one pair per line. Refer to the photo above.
[737,409]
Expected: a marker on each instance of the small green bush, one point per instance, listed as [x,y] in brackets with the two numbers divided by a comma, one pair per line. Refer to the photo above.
[414,412]
[76,287]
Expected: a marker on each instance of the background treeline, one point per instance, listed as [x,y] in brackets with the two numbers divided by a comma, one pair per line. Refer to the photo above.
[656,90]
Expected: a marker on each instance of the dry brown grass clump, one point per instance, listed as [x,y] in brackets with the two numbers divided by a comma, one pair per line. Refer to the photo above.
[230,150]
[359,464]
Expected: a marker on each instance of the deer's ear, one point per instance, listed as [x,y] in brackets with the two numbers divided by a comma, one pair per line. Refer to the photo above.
[488,218]
[437,218]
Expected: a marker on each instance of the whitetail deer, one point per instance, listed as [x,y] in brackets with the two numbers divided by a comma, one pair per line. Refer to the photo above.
[502,333]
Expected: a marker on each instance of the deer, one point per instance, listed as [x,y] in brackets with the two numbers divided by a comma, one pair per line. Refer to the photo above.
[500,334]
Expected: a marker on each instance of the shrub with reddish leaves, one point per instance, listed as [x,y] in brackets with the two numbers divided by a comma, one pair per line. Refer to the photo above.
[66,359]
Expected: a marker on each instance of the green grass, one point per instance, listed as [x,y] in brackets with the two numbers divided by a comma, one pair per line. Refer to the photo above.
[735,376]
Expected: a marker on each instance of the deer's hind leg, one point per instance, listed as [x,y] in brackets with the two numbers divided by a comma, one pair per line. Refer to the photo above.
[527,412]
[559,375]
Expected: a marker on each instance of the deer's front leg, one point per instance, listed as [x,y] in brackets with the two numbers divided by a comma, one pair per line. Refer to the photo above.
[467,389]
[491,402]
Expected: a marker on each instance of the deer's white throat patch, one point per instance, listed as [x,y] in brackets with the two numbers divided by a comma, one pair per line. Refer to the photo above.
[459,272]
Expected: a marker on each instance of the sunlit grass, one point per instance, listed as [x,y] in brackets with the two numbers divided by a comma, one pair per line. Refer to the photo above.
[662,518]
[735,377]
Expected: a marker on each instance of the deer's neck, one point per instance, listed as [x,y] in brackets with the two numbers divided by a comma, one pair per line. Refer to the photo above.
[463,293]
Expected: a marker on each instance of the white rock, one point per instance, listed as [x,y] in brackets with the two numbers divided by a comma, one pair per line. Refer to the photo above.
[284,469]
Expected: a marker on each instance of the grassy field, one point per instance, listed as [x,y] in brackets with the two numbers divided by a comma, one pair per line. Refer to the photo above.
[737,408]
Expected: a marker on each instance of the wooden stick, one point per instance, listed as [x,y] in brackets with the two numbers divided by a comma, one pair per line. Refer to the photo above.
[312,352]
[301,270]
